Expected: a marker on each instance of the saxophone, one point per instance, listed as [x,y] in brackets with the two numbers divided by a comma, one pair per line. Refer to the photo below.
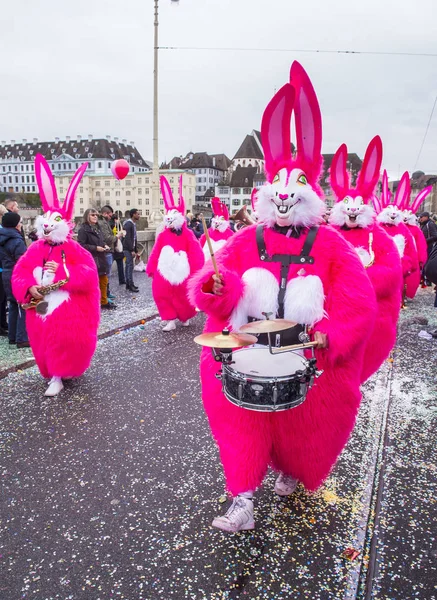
[41,305]
[371,253]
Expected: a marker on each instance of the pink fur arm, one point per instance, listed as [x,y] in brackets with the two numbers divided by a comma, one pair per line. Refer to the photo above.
[200,295]
[22,276]
[386,273]
[350,304]
[195,254]
[152,262]
[202,240]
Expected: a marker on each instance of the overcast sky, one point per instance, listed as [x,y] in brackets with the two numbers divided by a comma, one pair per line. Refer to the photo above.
[86,66]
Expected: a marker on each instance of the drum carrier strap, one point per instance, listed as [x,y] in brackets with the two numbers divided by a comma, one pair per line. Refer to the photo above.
[286,260]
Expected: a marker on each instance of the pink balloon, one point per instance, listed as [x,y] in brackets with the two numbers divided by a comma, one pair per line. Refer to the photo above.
[120,168]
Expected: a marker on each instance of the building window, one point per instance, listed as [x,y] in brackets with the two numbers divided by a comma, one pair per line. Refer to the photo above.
[127,202]
[33,188]
[140,212]
[146,180]
[236,190]
[147,191]
[128,193]
[235,202]
[61,190]
[128,182]
[147,212]
[140,201]
[247,191]
[117,193]
[247,202]
[139,180]
[99,165]
[97,183]
[147,201]
[97,194]
[81,211]
[117,203]
[140,191]
[81,190]
[107,183]
[107,193]
[81,201]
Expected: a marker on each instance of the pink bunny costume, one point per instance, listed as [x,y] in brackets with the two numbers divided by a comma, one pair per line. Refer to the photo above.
[332,295]
[220,230]
[175,257]
[64,339]
[354,219]
[391,218]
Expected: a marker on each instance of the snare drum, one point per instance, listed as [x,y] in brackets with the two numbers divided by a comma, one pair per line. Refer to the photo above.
[258,380]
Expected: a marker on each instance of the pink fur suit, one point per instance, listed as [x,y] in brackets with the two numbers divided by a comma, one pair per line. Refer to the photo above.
[220,230]
[354,219]
[410,220]
[175,257]
[333,295]
[64,339]
[390,217]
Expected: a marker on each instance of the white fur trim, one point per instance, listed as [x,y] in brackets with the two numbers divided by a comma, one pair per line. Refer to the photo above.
[304,300]
[260,295]
[216,245]
[219,224]
[173,266]
[399,240]
[364,255]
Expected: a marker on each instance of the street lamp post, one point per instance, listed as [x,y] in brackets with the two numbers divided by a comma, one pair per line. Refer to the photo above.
[155,171]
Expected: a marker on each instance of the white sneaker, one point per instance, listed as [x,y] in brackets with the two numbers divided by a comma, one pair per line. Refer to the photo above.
[285,485]
[55,387]
[238,518]
[170,326]
[185,323]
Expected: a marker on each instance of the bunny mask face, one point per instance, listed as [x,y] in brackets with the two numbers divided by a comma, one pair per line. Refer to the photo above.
[352,213]
[390,215]
[219,224]
[52,227]
[289,200]
[174,219]
[55,225]
[351,209]
[409,217]
[292,194]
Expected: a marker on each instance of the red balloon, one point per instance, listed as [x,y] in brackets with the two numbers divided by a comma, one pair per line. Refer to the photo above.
[120,168]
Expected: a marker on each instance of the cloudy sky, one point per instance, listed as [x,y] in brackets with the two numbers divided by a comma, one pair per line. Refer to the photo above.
[86,66]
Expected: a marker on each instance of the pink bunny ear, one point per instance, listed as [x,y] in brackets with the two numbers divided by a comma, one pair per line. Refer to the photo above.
[166,193]
[339,178]
[46,184]
[68,206]
[181,207]
[275,131]
[377,204]
[370,171]
[225,212]
[385,195]
[216,206]
[308,123]
[420,198]
[403,192]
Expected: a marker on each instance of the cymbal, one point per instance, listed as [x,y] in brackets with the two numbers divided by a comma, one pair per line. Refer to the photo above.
[267,326]
[221,340]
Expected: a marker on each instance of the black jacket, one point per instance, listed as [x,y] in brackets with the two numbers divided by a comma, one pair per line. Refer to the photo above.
[91,237]
[12,246]
[429,230]
[130,239]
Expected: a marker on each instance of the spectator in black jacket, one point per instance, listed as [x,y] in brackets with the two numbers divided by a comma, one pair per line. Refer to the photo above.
[91,238]
[12,246]
[429,230]
[130,248]
[3,299]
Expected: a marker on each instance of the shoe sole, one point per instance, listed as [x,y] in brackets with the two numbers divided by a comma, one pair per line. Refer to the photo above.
[223,527]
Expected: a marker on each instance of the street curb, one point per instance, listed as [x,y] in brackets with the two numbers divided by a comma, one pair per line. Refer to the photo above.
[101,336]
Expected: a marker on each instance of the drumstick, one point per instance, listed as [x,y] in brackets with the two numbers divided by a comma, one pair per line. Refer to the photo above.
[293,347]
[211,251]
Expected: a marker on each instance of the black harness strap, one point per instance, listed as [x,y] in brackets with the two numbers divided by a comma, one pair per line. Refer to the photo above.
[286,260]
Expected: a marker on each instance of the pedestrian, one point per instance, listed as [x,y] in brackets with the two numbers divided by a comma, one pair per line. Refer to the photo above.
[12,246]
[117,254]
[3,299]
[106,227]
[130,248]
[429,230]
[11,205]
[90,237]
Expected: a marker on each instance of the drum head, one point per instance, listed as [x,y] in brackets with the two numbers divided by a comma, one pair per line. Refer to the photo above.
[258,362]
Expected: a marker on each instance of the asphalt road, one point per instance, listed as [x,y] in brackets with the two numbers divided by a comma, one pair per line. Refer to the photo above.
[109,490]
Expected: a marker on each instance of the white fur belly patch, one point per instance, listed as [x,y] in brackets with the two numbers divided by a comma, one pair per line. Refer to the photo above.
[303,303]
[173,266]
[216,245]
[54,299]
[399,240]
